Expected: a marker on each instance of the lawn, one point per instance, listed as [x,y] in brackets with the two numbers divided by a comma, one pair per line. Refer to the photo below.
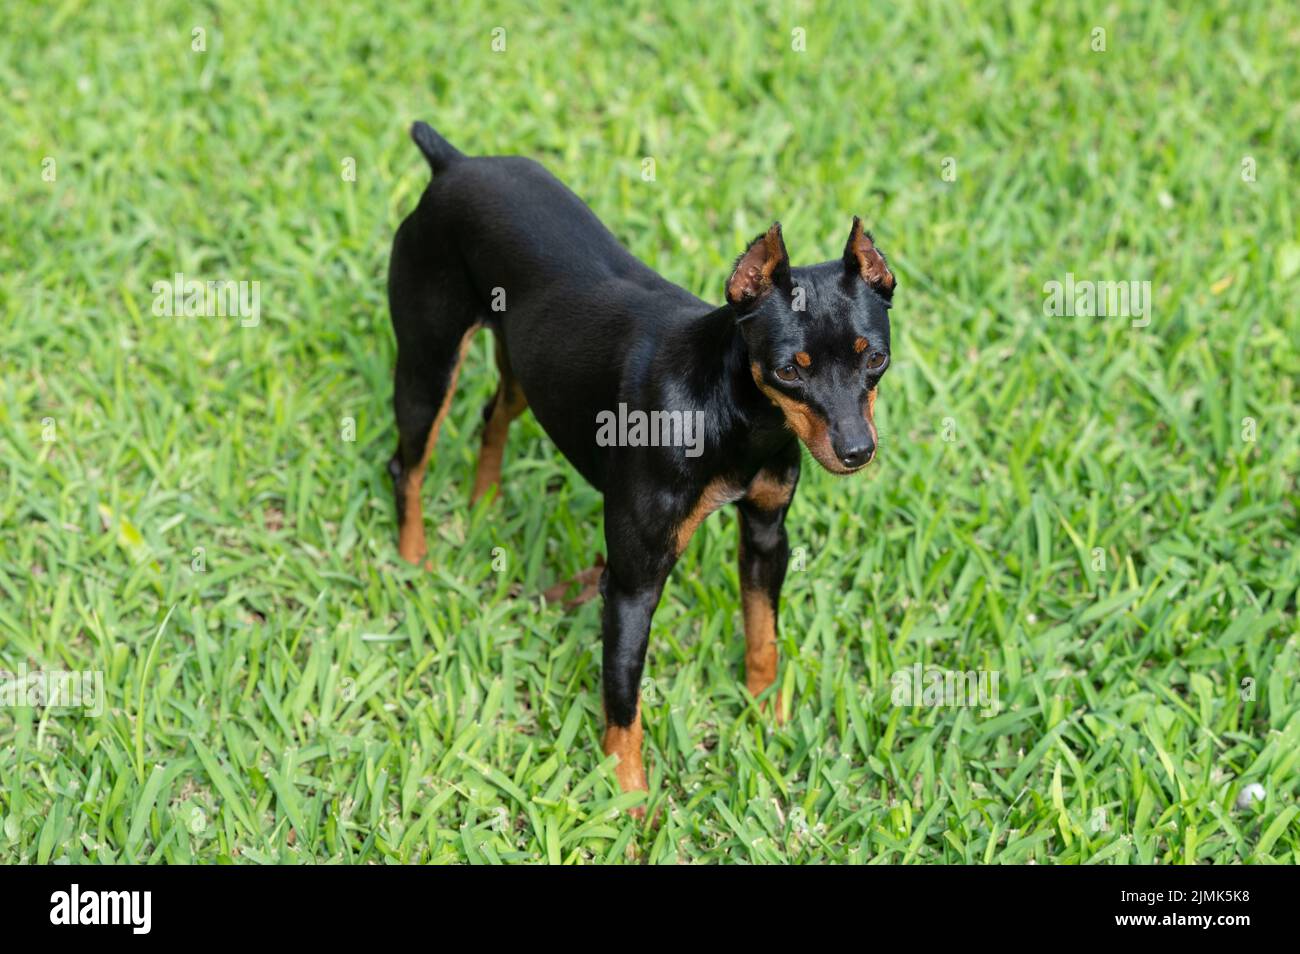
[1102,511]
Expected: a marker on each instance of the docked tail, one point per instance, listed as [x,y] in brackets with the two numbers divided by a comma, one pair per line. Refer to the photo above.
[438,151]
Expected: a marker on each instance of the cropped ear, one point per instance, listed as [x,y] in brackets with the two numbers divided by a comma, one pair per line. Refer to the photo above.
[862,256]
[764,264]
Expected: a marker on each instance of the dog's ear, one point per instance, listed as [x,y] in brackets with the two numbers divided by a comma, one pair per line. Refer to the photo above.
[863,258]
[765,264]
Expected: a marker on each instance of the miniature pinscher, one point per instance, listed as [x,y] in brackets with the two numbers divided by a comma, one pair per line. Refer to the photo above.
[583,329]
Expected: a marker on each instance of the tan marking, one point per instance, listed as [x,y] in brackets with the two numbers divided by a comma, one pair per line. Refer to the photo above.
[871,264]
[760,641]
[767,493]
[718,493]
[810,427]
[870,415]
[860,345]
[410,539]
[625,742]
[509,404]
[802,359]
[761,655]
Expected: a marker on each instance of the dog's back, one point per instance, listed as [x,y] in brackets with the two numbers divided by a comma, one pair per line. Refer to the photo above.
[499,242]
[510,217]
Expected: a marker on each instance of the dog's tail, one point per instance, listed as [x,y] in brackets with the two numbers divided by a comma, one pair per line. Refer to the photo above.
[438,151]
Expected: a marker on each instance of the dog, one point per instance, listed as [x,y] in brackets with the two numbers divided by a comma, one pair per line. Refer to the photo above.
[582,330]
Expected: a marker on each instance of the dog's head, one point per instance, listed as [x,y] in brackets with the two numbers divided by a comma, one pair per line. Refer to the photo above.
[818,339]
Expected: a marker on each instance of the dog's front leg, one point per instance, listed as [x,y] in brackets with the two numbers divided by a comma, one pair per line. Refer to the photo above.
[632,584]
[764,556]
[629,606]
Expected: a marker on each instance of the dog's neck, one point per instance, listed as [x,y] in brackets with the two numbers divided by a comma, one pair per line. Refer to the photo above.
[721,366]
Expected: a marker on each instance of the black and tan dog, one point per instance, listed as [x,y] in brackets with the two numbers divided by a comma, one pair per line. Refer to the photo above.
[581,328]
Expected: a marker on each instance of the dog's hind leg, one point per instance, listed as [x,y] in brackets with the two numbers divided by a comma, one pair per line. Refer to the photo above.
[508,403]
[434,315]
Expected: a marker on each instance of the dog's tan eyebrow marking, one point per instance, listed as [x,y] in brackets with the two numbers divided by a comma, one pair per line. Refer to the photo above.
[860,345]
[802,358]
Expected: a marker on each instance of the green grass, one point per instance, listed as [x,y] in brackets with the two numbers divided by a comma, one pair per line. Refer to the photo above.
[1066,501]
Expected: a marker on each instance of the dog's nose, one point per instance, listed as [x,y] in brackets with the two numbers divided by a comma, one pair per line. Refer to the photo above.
[854,457]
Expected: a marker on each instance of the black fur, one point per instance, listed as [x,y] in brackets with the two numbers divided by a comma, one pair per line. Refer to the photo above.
[586,327]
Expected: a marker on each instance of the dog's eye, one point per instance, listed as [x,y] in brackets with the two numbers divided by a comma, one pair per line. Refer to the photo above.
[876,360]
[789,374]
